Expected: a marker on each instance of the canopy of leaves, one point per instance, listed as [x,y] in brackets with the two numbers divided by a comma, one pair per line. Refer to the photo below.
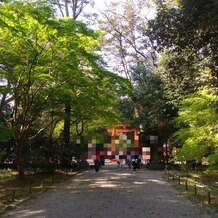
[50,62]
[148,109]
[198,133]
[185,33]
[189,29]
[180,76]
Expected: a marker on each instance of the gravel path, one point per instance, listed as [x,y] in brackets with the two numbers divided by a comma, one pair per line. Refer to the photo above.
[115,194]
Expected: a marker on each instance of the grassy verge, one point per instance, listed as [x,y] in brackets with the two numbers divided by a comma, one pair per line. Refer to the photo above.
[198,186]
[11,193]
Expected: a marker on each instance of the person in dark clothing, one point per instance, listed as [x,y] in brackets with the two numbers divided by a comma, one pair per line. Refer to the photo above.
[134,164]
[97,165]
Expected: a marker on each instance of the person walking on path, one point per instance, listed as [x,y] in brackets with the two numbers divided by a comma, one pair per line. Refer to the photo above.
[134,164]
[119,165]
[97,165]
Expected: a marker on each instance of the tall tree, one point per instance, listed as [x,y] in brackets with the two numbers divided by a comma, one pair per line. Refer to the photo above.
[50,60]
[188,29]
[186,34]
[154,112]
[74,9]
[27,67]
[125,44]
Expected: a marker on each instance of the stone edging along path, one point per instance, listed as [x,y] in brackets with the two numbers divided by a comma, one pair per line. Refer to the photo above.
[113,193]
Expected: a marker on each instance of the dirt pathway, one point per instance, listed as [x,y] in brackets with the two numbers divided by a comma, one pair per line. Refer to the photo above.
[115,194]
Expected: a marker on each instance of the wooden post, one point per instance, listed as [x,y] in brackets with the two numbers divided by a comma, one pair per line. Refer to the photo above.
[186,185]
[30,188]
[209,197]
[179,180]
[43,183]
[195,189]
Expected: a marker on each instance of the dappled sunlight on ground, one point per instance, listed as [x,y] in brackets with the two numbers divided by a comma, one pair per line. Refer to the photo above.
[157,181]
[115,179]
[112,193]
[105,185]
[139,183]
[29,213]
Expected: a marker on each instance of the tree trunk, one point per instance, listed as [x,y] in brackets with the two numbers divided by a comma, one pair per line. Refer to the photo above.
[66,8]
[20,167]
[67,111]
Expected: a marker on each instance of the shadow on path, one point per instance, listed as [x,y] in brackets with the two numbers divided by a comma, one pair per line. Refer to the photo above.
[112,193]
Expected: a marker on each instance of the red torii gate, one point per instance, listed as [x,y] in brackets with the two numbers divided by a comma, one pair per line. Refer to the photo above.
[123,128]
[120,147]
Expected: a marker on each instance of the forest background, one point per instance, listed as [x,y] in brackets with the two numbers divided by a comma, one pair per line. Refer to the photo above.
[63,78]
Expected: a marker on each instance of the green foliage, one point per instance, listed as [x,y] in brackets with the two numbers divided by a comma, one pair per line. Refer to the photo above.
[150,102]
[7,176]
[180,76]
[2,154]
[185,33]
[187,29]
[213,161]
[5,133]
[198,133]
[52,62]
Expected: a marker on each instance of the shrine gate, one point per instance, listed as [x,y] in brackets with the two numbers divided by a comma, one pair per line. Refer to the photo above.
[125,144]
